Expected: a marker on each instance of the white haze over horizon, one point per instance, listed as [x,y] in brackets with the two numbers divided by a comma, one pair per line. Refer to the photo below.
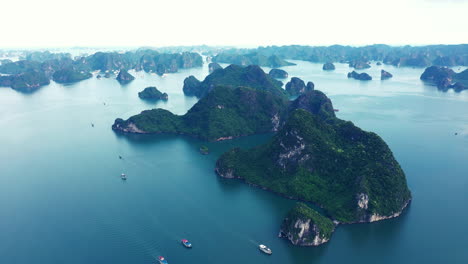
[245,23]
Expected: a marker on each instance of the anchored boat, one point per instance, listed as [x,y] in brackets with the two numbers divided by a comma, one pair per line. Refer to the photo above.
[186,243]
[162,260]
[123,176]
[265,249]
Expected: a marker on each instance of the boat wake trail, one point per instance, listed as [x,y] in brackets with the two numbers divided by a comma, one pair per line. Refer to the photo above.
[253,242]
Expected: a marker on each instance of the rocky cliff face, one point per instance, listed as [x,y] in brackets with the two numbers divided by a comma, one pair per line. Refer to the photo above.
[384,75]
[305,233]
[297,86]
[124,77]
[303,226]
[350,173]
[192,87]
[126,127]
[444,78]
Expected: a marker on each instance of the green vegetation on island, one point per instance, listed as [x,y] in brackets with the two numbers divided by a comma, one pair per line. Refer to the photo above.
[204,150]
[124,77]
[230,111]
[27,82]
[192,87]
[63,69]
[152,93]
[328,66]
[147,60]
[234,76]
[314,156]
[445,78]
[348,172]
[223,113]
[278,74]
[304,226]
[259,59]
[399,56]
[297,87]
[359,76]
[70,75]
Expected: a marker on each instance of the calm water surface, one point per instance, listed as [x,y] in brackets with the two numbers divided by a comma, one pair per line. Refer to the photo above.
[62,201]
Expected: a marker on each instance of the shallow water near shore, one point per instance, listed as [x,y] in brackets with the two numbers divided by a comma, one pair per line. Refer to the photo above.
[62,199]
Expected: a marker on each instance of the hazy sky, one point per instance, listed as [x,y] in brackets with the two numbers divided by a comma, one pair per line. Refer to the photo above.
[56,23]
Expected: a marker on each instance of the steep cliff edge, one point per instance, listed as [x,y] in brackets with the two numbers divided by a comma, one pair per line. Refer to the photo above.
[303,226]
[350,173]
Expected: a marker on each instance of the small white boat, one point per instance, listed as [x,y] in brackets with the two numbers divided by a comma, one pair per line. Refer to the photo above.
[265,249]
[123,176]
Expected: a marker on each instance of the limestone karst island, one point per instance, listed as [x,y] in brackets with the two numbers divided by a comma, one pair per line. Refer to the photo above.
[300,132]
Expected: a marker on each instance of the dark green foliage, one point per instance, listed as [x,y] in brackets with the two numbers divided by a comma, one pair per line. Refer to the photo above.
[315,102]
[303,212]
[192,87]
[278,74]
[272,61]
[27,81]
[160,63]
[327,162]
[420,60]
[420,56]
[30,80]
[297,87]
[111,61]
[359,76]
[63,69]
[144,59]
[154,121]
[70,75]
[436,73]
[224,112]
[152,93]
[204,150]
[18,67]
[328,66]
[445,78]
[234,76]
[124,77]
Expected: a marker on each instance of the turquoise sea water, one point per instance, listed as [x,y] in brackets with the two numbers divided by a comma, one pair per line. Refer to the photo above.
[62,200]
